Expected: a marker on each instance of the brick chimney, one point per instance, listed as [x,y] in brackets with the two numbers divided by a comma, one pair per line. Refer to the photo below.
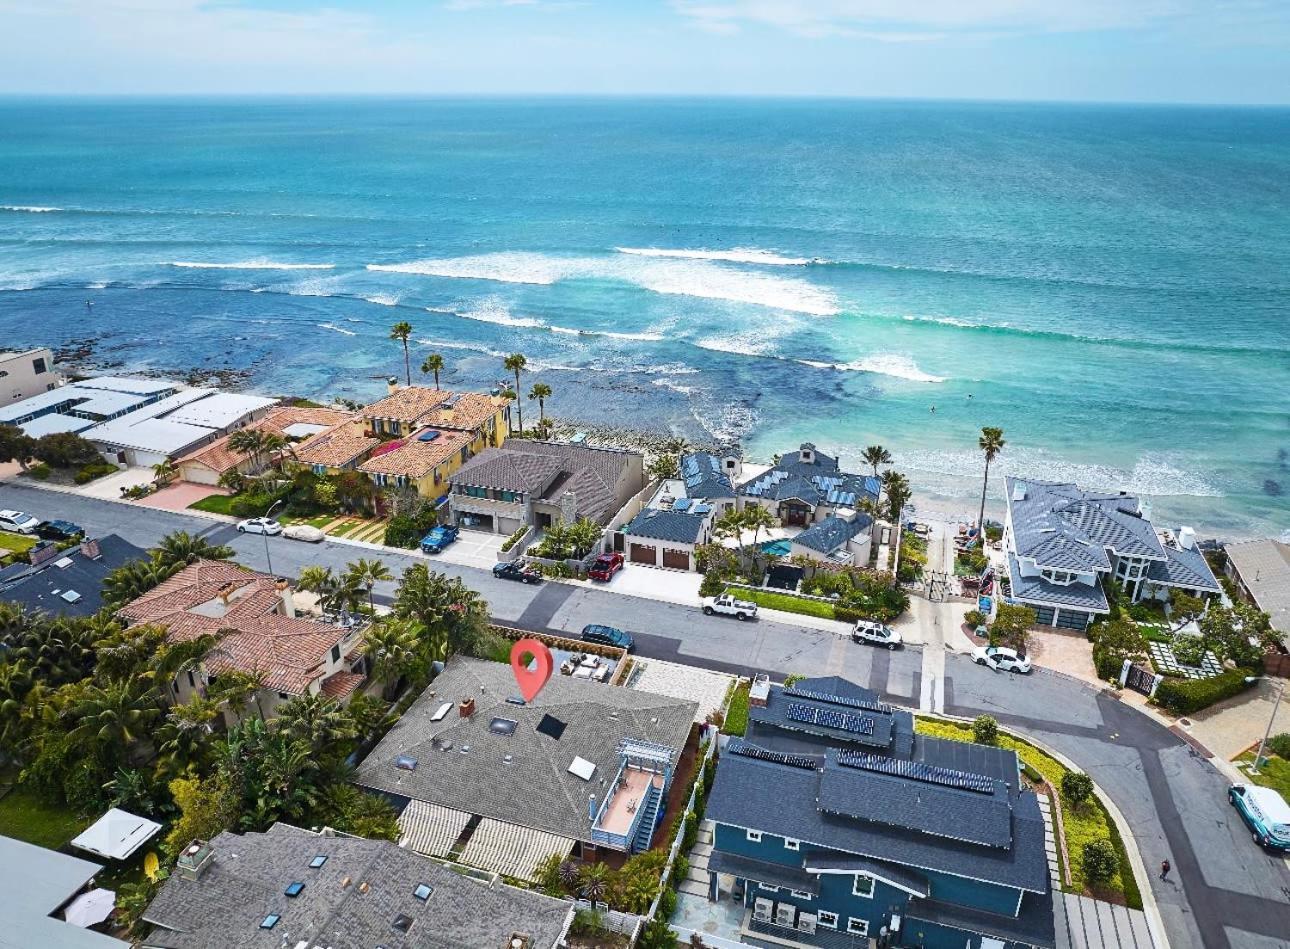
[466,708]
[90,549]
[288,600]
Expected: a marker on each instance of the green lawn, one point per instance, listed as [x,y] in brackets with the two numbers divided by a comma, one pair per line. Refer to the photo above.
[786,602]
[1084,823]
[26,817]
[18,543]
[317,521]
[215,504]
[737,716]
[1274,774]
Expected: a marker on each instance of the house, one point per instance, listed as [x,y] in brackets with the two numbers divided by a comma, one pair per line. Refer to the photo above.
[27,373]
[806,487]
[583,767]
[209,463]
[710,477]
[38,886]
[408,409]
[1261,571]
[543,483]
[836,820]
[678,518]
[79,406]
[259,633]
[1062,543]
[342,447]
[845,537]
[69,582]
[299,888]
[424,460]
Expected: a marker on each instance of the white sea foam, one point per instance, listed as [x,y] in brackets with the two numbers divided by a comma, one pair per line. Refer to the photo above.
[945,321]
[337,329]
[693,278]
[673,386]
[464,347]
[248,265]
[738,255]
[384,299]
[884,364]
[497,314]
[27,209]
[96,285]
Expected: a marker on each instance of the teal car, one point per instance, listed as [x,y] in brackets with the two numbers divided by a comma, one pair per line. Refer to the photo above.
[1265,812]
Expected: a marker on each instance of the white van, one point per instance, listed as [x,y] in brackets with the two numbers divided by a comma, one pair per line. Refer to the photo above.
[1266,813]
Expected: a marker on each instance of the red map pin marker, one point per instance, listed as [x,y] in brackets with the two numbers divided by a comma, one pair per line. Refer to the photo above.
[532,680]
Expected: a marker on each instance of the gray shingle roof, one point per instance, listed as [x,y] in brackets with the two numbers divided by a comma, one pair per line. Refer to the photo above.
[1183,567]
[504,470]
[678,526]
[1058,525]
[247,878]
[818,482]
[833,532]
[42,588]
[775,714]
[1038,590]
[535,788]
[704,478]
[1264,569]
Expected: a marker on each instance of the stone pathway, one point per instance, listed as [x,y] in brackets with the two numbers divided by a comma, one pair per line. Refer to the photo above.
[696,878]
[1050,842]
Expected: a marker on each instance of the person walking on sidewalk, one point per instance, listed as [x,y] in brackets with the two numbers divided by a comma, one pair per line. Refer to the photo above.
[1164,870]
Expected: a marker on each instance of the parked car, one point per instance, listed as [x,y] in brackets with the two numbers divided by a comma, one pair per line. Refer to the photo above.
[438,538]
[1001,659]
[607,636]
[1265,812]
[727,605]
[514,570]
[303,532]
[875,634]
[259,525]
[18,522]
[58,530]
[605,566]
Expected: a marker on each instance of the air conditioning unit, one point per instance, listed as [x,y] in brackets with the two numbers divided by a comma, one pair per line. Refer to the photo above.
[763,910]
[785,915]
[806,922]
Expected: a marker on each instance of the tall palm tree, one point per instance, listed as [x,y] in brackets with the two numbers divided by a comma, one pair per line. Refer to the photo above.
[184,548]
[402,331]
[366,574]
[274,445]
[728,525]
[874,456]
[433,364]
[540,391]
[515,363]
[164,471]
[249,442]
[675,445]
[991,443]
[896,488]
[393,651]
[757,518]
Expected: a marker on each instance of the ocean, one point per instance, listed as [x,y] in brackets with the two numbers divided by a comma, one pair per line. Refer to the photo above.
[1109,284]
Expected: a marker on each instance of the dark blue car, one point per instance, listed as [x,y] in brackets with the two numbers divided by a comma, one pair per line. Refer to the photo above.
[607,636]
[58,530]
[439,538]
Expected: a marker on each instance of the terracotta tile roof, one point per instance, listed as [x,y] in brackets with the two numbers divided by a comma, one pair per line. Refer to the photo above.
[239,605]
[338,446]
[420,405]
[416,458]
[219,457]
[340,685]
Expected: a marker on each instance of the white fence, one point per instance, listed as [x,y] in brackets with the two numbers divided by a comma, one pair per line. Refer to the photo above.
[627,924]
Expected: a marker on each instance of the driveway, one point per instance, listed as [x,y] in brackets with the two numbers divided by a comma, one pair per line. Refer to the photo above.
[473,549]
[178,496]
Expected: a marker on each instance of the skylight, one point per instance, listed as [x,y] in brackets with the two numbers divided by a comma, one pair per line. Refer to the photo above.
[405,763]
[441,711]
[317,861]
[582,768]
[295,889]
[270,921]
[71,596]
[423,891]
[502,726]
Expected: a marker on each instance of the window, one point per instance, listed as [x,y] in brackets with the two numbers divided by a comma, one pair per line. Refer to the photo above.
[826,919]
[1062,578]
[767,888]
[801,895]
[192,684]
[320,469]
[335,653]
[269,921]
[755,836]
[40,366]
[423,891]
[857,927]
[317,861]
[863,886]
[791,844]
[284,696]
[465,454]
[295,889]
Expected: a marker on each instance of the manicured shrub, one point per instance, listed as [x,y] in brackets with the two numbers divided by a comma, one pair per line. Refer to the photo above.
[1108,663]
[690,836]
[1077,787]
[1188,650]
[1185,696]
[40,471]
[514,538]
[974,618]
[713,585]
[985,730]
[1101,862]
[1279,745]
[65,450]
[95,469]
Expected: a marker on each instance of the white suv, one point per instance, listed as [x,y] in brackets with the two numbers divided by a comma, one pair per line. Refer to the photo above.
[18,522]
[875,634]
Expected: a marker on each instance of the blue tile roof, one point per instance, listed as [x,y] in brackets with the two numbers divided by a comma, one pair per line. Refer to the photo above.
[1038,590]
[817,482]
[833,532]
[678,526]
[1183,567]
[1058,525]
[703,477]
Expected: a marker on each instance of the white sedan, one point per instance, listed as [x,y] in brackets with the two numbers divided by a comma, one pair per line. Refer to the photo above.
[1001,659]
[304,532]
[259,525]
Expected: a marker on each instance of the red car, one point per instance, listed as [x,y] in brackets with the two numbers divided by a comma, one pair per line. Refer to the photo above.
[605,566]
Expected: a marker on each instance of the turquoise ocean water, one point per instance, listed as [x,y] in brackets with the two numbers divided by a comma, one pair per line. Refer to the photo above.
[1111,285]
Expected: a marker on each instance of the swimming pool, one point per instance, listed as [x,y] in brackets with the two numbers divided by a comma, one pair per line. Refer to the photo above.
[779,547]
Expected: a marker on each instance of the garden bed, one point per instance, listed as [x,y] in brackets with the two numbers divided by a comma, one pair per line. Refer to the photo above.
[737,715]
[787,602]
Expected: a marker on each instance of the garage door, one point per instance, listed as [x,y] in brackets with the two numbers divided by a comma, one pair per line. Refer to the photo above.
[642,554]
[198,474]
[1072,619]
[1043,615]
[676,559]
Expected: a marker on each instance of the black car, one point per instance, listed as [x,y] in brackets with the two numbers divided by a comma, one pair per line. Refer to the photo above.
[515,571]
[58,530]
[607,636]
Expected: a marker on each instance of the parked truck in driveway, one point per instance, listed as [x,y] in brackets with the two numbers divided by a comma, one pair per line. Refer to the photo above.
[728,605]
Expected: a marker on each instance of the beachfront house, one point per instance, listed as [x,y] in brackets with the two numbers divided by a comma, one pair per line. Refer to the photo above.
[807,487]
[844,536]
[259,633]
[1063,544]
[838,823]
[585,767]
[295,424]
[409,409]
[679,515]
[1261,571]
[27,373]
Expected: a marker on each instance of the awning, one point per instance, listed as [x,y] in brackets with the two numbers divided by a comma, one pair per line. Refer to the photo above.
[90,908]
[512,850]
[116,834]
[430,829]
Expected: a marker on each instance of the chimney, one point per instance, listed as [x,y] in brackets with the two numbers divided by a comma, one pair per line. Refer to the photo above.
[466,708]
[591,807]
[288,599]
[1186,538]
[226,591]
[806,454]
[392,385]
[192,863]
[90,550]
[759,694]
[519,941]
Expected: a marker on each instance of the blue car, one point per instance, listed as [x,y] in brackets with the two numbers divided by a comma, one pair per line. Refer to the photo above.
[439,538]
[607,636]
[1265,812]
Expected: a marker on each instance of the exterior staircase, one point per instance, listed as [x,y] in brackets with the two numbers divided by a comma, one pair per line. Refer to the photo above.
[649,819]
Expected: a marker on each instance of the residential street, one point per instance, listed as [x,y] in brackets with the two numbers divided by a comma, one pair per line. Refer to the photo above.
[1224,890]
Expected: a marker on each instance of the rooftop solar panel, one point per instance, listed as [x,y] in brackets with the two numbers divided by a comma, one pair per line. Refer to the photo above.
[917,771]
[806,762]
[829,718]
[881,707]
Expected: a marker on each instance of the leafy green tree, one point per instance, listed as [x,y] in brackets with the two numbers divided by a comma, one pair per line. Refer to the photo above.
[1184,607]
[664,467]
[593,882]
[1100,860]
[516,363]
[16,445]
[875,456]
[233,480]
[114,718]
[433,365]
[1011,626]
[348,809]
[207,806]
[402,331]
[1077,787]
[321,723]
[541,392]
[65,450]
[991,443]
[985,730]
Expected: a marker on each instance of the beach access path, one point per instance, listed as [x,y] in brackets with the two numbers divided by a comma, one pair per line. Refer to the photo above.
[1224,891]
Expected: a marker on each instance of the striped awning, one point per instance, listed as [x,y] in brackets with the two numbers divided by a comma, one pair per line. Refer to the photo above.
[512,850]
[430,829]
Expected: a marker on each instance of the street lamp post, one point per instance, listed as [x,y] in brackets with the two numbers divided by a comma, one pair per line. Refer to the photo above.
[1258,755]
[268,559]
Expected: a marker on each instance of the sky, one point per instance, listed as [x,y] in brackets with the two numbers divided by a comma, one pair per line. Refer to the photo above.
[1190,51]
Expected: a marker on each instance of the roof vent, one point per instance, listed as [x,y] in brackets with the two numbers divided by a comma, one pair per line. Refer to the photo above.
[519,941]
[1019,491]
[364,887]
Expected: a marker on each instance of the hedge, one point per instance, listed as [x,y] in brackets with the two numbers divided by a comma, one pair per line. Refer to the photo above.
[1107,663]
[514,538]
[1185,696]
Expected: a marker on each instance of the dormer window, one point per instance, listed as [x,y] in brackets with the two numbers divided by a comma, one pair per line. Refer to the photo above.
[1061,578]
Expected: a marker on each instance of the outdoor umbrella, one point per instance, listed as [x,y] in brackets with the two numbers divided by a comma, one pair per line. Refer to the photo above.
[90,908]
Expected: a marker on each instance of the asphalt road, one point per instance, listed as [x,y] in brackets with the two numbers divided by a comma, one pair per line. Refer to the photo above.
[1224,891]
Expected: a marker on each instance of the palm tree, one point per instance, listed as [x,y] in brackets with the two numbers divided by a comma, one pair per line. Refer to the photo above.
[676,446]
[515,363]
[874,456]
[728,525]
[274,445]
[164,471]
[317,720]
[896,488]
[664,467]
[249,442]
[594,882]
[540,391]
[393,651]
[233,481]
[991,442]
[757,518]
[114,717]
[433,364]
[182,547]
[402,331]
[314,578]
[366,574]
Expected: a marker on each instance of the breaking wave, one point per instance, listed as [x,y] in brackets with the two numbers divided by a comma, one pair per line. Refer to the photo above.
[337,329]
[248,265]
[883,364]
[735,256]
[27,209]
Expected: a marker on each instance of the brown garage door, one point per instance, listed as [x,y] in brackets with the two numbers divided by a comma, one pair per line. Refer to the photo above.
[643,554]
[676,559]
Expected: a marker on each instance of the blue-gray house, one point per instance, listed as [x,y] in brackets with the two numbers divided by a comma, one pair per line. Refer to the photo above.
[840,825]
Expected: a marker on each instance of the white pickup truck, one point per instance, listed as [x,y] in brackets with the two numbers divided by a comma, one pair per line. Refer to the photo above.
[727,605]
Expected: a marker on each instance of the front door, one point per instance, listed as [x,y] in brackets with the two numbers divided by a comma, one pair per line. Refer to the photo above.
[796,514]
